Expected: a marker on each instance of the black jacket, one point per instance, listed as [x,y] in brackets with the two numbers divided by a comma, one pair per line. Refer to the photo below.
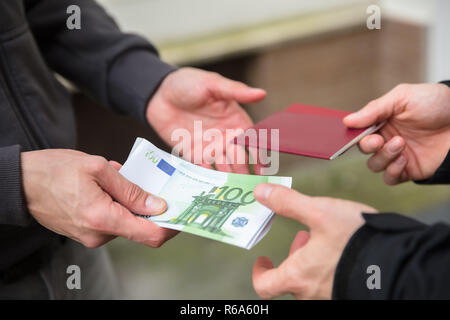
[119,70]
[414,258]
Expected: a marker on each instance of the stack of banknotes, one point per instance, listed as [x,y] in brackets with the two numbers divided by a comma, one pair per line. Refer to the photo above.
[208,203]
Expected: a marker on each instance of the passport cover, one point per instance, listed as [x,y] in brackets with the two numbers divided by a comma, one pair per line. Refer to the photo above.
[309,131]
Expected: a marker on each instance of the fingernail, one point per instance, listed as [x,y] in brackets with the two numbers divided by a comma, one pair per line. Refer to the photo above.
[395,146]
[400,161]
[155,204]
[262,191]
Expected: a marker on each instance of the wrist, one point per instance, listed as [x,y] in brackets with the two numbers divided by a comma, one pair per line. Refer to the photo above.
[30,166]
[157,97]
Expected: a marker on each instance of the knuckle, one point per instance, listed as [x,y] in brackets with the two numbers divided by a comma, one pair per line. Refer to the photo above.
[93,221]
[215,75]
[96,164]
[158,240]
[320,218]
[402,93]
[156,243]
[401,86]
[92,241]
[133,193]
[260,289]
[212,77]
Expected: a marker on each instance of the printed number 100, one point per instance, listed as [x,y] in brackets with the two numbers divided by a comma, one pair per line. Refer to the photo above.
[231,194]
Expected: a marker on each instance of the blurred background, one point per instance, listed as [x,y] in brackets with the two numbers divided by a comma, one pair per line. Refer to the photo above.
[313,52]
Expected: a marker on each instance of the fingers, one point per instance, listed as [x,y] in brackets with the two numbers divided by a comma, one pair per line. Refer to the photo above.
[241,168]
[267,280]
[270,282]
[207,166]
[123,223]
[378,110]
[300,240]
[395,173]
[255,158]
[288,203]
[224,167]
[227,89]
[390,151]
[123,191]
[371,144]
[240,161]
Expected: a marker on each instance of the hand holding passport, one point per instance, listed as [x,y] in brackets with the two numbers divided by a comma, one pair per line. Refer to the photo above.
[309,131]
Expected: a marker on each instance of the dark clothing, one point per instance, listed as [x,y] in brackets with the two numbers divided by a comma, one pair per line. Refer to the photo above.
[414,258]
[49,281]
[119,70]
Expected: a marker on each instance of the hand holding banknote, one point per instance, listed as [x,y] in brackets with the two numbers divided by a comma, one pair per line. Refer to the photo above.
[208,203]
[84,198]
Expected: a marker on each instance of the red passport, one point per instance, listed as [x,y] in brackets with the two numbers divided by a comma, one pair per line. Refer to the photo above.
[308,131]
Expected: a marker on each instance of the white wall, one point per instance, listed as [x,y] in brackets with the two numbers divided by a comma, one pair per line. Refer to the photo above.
[169,20]
[435,14]
[165,21]
[439,43]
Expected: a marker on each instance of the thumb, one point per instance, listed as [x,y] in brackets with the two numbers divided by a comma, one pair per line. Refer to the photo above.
[288,203]
[227,89]
[129,194]
[375,111]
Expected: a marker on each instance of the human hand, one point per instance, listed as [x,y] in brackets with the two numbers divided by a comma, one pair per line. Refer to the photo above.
[189,95]
[84,198]
[416,138]
[308,271]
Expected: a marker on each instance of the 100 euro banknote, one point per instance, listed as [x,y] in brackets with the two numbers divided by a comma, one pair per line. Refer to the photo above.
[204,202]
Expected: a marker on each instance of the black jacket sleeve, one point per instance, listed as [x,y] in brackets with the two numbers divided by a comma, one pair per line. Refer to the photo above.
[12,204]
[118,69]
[413,260]
[442,174]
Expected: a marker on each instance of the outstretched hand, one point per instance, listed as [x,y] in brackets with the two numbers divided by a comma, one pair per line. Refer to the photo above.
[416,137]
[189,95]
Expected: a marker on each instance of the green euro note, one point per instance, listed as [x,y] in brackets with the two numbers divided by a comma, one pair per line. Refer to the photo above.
[204,202]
